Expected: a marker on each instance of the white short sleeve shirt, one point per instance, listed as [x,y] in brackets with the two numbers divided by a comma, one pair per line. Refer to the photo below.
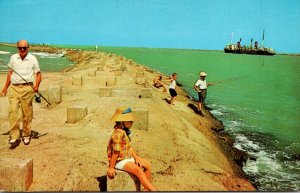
[201,84]
[173,84]
[25,68]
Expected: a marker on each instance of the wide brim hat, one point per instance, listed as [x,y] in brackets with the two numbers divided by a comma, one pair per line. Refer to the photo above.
[203,74]
[123,114]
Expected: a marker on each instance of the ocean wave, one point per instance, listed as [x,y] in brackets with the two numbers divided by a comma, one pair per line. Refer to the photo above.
[217,112]
[271,167]
[271,175]
[243,143]
[264,163]
[235,123]
[47,55]
[268,170]
[227,109]
[4,52]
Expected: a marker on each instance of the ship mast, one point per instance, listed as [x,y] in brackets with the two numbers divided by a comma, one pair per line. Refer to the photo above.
[231,37]
[263,38]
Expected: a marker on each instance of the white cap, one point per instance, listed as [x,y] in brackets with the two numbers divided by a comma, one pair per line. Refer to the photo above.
[203,74]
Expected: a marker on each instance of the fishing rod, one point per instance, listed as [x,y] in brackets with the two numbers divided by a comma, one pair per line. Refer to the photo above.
[229,80]
[37,98]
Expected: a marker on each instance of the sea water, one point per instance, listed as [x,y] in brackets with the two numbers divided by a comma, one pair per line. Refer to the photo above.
[47,62]
[256,97]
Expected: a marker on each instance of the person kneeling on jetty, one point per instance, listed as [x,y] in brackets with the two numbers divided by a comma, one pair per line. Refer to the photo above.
[201,87]
[157,83]
[121,155]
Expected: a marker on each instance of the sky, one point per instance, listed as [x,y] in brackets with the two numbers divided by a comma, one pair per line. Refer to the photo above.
[183,24]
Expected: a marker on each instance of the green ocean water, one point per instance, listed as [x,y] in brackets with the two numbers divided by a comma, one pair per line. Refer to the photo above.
[256,97]
[50,63]
[267,85]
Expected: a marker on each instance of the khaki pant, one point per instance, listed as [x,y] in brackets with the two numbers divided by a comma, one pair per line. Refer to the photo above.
[20,104]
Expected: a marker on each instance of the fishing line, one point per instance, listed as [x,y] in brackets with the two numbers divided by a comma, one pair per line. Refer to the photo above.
[37,99]
[229,80]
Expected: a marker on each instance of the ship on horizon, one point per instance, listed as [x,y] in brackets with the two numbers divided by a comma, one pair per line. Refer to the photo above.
[255,50]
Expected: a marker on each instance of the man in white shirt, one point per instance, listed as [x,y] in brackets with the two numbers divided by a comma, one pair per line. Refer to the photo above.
[201,87]
[21,93]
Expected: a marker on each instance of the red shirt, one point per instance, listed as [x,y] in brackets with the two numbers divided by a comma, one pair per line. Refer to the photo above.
[120,142]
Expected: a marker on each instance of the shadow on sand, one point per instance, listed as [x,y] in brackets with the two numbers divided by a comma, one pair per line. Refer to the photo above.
[102,183]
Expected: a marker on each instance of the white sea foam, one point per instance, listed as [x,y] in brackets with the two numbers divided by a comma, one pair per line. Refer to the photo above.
[243,141]
[238,146]
[268,171]
[235,123]
[272,174]
[47,55]
[216,112]
[4,52]
[263,163]
[267,168]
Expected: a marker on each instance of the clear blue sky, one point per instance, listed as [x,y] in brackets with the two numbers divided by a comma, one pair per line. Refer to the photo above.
[194,24]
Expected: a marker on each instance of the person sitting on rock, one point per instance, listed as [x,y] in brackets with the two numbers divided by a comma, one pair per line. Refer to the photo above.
[157,83]
[121,155]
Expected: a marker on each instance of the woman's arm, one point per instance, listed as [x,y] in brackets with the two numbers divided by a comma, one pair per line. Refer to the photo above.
[111,168]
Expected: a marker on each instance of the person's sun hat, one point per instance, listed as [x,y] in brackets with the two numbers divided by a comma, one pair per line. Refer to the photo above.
[123,114]
[203,74]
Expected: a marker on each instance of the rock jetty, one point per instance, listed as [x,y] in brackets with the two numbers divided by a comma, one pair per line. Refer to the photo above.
[188,152]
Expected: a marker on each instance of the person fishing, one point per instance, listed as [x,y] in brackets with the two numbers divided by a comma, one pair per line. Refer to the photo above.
[201,87]
[24,69]
[172,87]
[121,155]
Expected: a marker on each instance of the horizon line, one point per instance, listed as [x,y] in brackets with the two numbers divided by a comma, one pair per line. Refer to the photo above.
[136,47]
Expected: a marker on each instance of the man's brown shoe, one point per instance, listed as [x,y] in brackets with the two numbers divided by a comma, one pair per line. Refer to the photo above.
[26,140]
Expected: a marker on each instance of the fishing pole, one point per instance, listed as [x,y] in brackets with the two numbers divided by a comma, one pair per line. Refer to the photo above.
[229,80]
[37,99]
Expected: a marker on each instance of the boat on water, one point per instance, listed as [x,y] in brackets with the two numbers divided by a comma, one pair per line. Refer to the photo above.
[256,49]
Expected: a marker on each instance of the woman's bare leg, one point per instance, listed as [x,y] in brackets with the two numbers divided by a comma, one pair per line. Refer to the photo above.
[147,166]
[132,168]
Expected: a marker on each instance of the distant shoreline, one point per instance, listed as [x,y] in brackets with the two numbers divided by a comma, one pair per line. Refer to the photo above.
[68,46]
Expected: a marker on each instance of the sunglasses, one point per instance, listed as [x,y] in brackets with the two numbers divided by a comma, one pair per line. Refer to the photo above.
[22,48]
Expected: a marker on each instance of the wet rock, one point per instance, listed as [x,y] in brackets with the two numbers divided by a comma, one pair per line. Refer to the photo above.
[217,129]
[226,139]
[239,156]
[296,157]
